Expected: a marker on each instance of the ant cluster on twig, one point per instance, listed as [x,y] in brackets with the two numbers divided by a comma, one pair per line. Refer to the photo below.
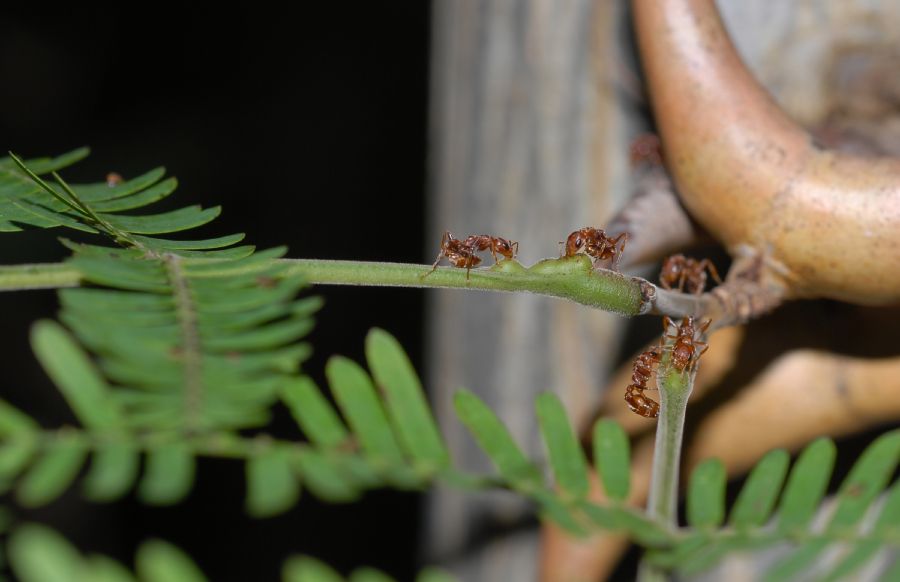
[678,272]
[593,242]
[685,356]
[461,252]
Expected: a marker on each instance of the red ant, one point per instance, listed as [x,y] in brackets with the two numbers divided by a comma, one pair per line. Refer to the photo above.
[497,245]
[596,244]
[461,253]
[684,352]
[113,179]
[646,148]
[634,393]
[687,274]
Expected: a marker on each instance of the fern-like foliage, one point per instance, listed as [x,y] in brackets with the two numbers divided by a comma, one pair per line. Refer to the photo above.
[29,201]
[382,433]
[306,569]
[40,554]
[192,344]
[191,338]
[858,528]
[185,348]
[179,344]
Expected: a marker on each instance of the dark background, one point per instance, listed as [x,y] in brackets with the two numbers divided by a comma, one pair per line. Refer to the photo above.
[308,125]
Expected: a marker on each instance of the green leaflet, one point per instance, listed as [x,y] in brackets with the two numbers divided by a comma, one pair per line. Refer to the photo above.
[168,475]
[800,560]
[113,471]
[706,494]
[326,478]
[52,472]
[760,492]
[46,165]
[314,413]
[496,441]
[369,575]
[174,221]
[434,575]
[14,422]
[566,456]
[866,480]
[102,569]
[612,458]
[556,510]
[132,201]
[363,410]
[405,399]
[806,485]
[159,561]
[39,554]
[29,201]
[18,443]
[271,485]
[75,376]
[306,569]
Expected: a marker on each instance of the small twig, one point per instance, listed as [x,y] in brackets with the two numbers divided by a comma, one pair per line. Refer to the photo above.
[740,299]
[674,390]
[38,276]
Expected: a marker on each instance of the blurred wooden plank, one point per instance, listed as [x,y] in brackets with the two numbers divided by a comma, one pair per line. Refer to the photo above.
[528,142]
[529,135]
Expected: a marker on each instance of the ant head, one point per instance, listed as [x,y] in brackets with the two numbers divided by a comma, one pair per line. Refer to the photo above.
[673,264]
[504,247]
[574,242]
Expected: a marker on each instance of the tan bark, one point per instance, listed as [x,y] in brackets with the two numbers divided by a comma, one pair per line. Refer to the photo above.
[829,223]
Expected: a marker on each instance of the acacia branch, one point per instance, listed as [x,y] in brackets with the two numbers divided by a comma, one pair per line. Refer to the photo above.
[571,278]
[38,276]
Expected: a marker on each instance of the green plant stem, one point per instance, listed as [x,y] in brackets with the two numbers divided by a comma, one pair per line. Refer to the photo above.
[571,278]
[38,276]
[674,390]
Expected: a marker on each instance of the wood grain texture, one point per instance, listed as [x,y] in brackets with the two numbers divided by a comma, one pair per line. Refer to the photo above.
[528,142]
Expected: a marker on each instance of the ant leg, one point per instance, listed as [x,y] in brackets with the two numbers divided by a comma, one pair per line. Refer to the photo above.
[445,240]
[515,247]
[704,326]
[681,280]
[707,264]
[696,357]
[617,254]
[435,265]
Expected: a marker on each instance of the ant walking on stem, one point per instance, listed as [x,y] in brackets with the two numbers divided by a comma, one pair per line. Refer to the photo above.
[684,357]
[461,253]
[687,274]
[596,244]
[634,394]
[684,352]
